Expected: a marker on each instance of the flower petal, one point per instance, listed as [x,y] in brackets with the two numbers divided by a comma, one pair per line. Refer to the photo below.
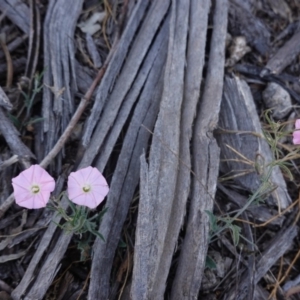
[296,137]
[97,178]
[75,191]
[92,177]
[101,190]
[21,181]
[81,200]
[84,174]
[22,184]
[40,200]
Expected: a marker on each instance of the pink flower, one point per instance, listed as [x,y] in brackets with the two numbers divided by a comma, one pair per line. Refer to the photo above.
[87,187]
[296,134]
[32,187]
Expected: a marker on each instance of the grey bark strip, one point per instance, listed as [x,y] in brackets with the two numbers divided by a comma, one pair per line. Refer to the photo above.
[18,66]
[132,96]
[11,136]
[244,22]
[284,56]
[49,268]
[191,264]
[9,257]
[126,78]
[239,115]
[17,12]
[259,213]
[34,41]
[4,100]
[198,22]
[13,45]
[274,250]
[59,64]
[126,175]
[164,156]
[43,248]
[113,69]
[145,234]
[8,162]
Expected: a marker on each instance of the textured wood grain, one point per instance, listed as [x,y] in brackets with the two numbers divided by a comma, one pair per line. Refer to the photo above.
[132,96]
[198,21]
[49,269]
[38,257]
[284,56]
[113,69]
[238,114]
[17,12]
[126,78]
[126,175]
[163,161]
[4,100]
[205,165]
[59,75]
[11,136]
[274,250]
[243,21]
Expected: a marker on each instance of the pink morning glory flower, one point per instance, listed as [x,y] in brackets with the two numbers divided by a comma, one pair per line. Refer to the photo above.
[32,187]
[296,134]
[87,187]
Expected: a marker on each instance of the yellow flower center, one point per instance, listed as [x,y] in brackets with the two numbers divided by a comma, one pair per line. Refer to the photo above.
[35,189]
[86,188]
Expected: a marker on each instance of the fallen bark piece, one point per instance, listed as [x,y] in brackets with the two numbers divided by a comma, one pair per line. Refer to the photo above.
[284,56]
[11,136]
[243,21]
[205,166]
[164,158]
[126,174]
[59,75]
[258,213]
[17,12]
[138,87]
[4,100]
[195,54]
[8,162]
[136,19]
[125,80]
[243,147]
[34,43]
[49,268]
[276,248]
[37,264]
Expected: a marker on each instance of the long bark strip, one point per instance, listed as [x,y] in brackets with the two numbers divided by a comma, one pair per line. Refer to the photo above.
[164,158]
[113,70]
[275,249]
[188,277]
[238,114]
[198,21]
[126,174]
[127,76]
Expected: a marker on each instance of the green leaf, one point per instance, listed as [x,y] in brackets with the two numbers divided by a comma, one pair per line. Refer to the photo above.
[98,234]
[210,263]
[102,212]
[235,233]
[34,120]
[213,221]
[16,122]
[122,244]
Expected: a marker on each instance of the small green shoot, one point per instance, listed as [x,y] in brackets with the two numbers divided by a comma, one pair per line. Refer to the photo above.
[210,263]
